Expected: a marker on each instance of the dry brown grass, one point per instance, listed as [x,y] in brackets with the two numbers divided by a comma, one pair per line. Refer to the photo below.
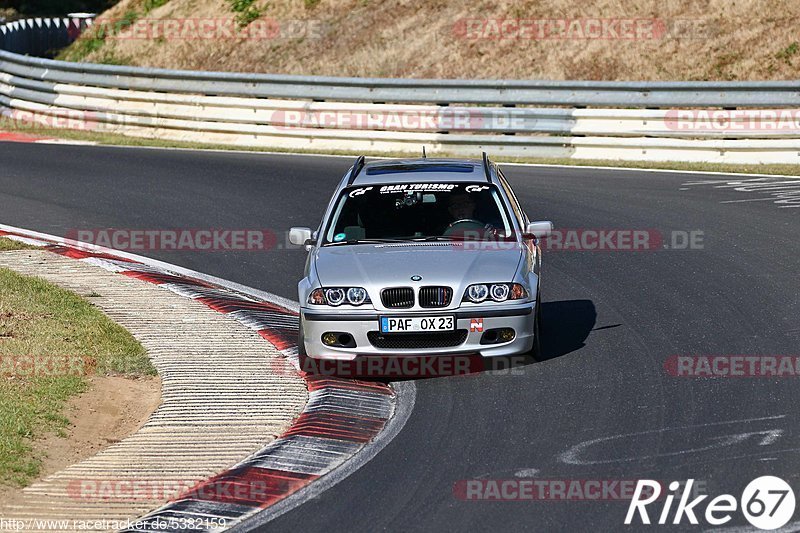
[742,40]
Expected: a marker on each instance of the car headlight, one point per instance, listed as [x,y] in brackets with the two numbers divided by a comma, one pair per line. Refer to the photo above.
[496,292]
[317,297]
[356,295]
[499,292]
[477,293]
[336,296]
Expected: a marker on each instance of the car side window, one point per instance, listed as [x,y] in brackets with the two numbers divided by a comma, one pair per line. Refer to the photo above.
[512,198]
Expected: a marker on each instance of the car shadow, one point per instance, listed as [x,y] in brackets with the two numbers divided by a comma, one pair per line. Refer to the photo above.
[565,326]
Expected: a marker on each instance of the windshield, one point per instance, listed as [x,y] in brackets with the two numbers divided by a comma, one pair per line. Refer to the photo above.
[419,211]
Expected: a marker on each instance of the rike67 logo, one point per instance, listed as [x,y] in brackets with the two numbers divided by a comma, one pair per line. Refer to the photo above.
[767,503]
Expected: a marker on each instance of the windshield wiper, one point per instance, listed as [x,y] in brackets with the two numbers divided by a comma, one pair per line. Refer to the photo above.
[434,238]
[431,238]
[365,241]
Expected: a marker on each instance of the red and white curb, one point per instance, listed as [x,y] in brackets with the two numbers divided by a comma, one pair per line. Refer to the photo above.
[341,418]
[10,136]
[14,137]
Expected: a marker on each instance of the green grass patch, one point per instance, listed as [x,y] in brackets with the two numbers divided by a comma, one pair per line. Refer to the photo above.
[8,245]
[789,52]
[150,5]
[88,43]
[128,18]
[94,38]
[246,11]
[50,340]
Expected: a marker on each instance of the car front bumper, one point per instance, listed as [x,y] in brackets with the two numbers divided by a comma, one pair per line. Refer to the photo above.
[520,317]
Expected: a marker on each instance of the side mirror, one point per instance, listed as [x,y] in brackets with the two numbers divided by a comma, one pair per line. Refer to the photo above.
[299,236]
[540,229]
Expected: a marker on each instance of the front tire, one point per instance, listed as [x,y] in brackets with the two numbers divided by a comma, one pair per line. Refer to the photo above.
[536,350]
[535,354]
[302,356]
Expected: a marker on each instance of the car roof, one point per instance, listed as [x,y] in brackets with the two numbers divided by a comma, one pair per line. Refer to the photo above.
[423,170]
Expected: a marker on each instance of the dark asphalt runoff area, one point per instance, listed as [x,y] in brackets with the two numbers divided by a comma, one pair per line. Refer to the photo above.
[601,407]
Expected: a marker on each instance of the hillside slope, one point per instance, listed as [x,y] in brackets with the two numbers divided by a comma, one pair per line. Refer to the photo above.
[535,39]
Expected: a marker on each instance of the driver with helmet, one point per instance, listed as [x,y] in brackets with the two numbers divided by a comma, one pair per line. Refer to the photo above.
[462,207]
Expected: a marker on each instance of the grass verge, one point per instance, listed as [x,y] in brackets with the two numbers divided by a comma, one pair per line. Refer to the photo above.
[114,139]
[7,245]
[50,341]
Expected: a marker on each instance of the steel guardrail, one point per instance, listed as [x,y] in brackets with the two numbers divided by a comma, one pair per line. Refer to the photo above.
[627,120]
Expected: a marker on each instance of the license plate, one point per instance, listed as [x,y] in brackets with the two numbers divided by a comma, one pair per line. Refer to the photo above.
[417,323]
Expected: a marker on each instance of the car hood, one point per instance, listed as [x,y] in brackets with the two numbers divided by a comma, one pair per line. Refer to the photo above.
[453,264]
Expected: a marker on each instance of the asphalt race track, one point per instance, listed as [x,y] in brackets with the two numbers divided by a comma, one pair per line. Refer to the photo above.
[602,407]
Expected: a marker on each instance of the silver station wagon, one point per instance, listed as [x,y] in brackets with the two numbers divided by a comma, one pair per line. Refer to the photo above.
[424,257]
